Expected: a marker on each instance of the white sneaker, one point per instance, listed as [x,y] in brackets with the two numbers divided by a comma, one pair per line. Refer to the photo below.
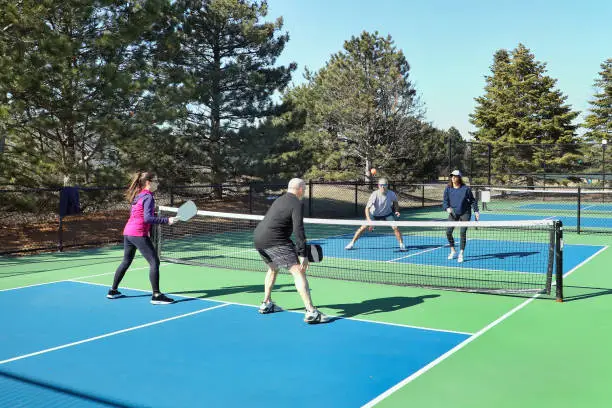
[315,317]
[452,255]
[402,247]
[349,246]
[269,307]
[460,258]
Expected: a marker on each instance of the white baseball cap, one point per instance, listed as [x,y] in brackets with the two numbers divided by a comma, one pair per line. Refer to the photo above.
[456,173]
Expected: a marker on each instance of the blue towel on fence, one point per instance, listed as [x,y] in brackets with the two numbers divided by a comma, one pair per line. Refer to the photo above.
[69,201]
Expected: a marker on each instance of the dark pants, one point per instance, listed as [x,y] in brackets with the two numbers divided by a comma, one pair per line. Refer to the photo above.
[449,231]
[145,246]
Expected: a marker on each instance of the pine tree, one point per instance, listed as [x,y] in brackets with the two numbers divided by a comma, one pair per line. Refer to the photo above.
[598,155]
[70,76]
[221,59]
[524,117]
[360,110]
[599,121]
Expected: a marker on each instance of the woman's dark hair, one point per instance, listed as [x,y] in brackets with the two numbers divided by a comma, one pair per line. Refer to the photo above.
[138,183]
[450,181]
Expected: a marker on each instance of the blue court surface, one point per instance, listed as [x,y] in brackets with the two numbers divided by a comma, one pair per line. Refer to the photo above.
[485,254]
[64,344]
[568,221]
[567,207]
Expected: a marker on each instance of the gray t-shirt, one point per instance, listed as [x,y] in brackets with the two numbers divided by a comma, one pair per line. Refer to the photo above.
[381,204]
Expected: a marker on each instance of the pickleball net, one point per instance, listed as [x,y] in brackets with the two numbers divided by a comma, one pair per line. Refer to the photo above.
[500,256]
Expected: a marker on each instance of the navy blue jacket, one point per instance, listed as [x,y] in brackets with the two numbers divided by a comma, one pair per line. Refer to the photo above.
[461,199]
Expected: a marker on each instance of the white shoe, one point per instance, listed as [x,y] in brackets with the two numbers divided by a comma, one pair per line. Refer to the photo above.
[349,246]
[269,307]
[402,247]
[315,317]
[460,258]
[452,255]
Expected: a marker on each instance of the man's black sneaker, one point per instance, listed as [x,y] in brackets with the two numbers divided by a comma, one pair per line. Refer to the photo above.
[114,294]
[161,299]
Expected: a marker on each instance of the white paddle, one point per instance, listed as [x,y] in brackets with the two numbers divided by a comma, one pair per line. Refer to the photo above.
[186,211]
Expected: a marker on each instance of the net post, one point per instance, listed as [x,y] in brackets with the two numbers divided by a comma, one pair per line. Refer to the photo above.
[578,211]
[551,258]
[559,259]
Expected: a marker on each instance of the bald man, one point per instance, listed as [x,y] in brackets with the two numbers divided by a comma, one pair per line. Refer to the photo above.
[273,242]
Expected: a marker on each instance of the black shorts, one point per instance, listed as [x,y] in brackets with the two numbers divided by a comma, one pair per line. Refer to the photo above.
[388,217]
[280,256]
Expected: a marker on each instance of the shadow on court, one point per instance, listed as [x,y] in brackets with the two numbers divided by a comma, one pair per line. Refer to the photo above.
[230,290]
[61,393]
[380,305]
[123,296]
[501,255]
[19,269]
[572,293]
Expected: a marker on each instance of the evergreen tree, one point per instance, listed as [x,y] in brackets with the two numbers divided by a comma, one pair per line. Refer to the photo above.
[360,110]
[599,121]
[70,77]
[598,156]
[456,151]
[524,117]
[221,59]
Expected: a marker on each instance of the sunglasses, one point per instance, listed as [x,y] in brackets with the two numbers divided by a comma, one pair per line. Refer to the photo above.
[382,185]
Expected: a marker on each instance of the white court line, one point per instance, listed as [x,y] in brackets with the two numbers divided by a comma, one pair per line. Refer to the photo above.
[461,345]
[67,280]
[416,253]
[111,334]
[293,311]
[444,356]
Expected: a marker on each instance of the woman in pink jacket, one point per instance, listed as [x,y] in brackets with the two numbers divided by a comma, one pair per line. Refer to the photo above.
[136,234]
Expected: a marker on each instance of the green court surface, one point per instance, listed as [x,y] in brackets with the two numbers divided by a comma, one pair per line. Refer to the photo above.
[523,351]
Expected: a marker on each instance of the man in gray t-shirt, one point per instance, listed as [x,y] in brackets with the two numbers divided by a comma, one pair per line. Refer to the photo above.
[382,206]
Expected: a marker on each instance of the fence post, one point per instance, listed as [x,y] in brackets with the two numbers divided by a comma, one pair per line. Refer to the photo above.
[60,232]
[423,195]
[310,212]
[450,155]
[471,164]
[356,204]
[171,196]
[489,148]
[250,197]
[578,211]
[604,143]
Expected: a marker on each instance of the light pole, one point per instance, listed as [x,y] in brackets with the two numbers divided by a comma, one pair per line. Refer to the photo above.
[604,143]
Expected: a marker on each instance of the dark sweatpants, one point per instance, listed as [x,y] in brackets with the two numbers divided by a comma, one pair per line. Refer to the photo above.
[449,231]
[145,246]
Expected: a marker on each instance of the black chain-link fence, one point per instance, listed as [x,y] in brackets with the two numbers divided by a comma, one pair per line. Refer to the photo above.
[581,209]
[29,218]
[584,164]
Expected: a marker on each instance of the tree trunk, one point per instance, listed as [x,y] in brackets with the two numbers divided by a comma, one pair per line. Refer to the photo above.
[216,164]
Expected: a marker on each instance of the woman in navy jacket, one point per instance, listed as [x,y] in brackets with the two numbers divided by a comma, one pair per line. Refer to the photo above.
[458,202]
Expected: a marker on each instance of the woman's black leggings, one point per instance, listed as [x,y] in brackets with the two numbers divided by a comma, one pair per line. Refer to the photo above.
[449,231]
[145,246]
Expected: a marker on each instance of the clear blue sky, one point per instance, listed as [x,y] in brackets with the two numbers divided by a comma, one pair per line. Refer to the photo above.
[450,44]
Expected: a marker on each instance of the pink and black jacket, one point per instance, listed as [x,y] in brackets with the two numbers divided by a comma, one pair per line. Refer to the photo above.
[142,215]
